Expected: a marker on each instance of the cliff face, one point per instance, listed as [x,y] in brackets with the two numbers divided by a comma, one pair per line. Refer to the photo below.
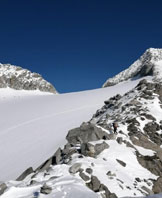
[22,79]
[149,64]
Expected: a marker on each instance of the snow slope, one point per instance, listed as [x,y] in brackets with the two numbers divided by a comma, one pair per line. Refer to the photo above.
[33,126]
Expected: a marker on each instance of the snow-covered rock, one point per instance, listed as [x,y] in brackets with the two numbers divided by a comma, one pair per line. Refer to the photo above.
[18,78]
[150,63]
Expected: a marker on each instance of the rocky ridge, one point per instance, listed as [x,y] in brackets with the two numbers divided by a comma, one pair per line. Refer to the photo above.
[18,78]
[149,64]
[110,165]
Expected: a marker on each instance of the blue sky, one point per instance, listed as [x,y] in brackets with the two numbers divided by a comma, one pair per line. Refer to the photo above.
[77,44]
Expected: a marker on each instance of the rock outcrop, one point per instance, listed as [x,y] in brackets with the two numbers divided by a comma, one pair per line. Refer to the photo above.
[18,78]
[147,65]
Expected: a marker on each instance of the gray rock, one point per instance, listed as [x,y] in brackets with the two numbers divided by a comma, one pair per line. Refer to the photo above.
[3,187]
[19,78]
[85,133]
[84,176]
[75,168]
[110,174]
[147,190]
[121,162]
[148,116]
[57,157]
[92,150]
[138,179]
[119,140]
[151,163]
[45,189]
[150,129]
[157,187]
[89,171]
[25,174]
[94,184]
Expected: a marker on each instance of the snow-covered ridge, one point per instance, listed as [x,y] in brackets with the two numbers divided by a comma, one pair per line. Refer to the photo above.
[150,63]
[123,165]
[22,79]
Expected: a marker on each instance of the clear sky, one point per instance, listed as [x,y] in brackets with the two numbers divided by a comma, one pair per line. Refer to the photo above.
[77,44]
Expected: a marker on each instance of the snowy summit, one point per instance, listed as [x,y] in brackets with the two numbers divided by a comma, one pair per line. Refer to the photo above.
[149,64]
[16,77]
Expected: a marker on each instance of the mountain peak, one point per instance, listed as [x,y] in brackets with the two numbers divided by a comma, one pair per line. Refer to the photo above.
[149,64]
[18,78]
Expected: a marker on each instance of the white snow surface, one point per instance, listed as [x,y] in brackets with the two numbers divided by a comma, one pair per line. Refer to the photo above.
[34,124]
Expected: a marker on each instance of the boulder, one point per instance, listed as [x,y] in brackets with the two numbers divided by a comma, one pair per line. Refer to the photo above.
[94,184]
[119,140]
[84,176]
[57,157]
[157,187]
[89,171]
[121,162]
[75,168]
[107,193]
[87,132]
[151,163]
[92,150]
[45,189]
[25,174]
[3,187]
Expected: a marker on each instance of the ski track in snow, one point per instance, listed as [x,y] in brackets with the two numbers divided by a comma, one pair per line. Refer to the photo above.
[47,116]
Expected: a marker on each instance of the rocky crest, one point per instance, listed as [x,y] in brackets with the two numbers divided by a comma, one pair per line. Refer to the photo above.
[22,79]
[149,64]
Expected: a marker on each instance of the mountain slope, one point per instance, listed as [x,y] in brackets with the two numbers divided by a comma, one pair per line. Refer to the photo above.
[128,164]
[30,124]
[149,64]
[22,79]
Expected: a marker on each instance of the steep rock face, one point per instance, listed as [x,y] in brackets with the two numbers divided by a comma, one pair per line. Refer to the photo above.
[149,64]
[22,79]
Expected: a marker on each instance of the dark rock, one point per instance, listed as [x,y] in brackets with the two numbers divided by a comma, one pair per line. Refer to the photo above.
[85,133]
[147,190]
[75,168]
[107,193]
[110,174]
[84,176]
[57,157]
[157,187]
[45,189]
[94,184]
[148,116]
[119,140]
[3,187]
[151,127]
[45,165]
[121,162]
[138,179]
[25,174]
[89,171]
